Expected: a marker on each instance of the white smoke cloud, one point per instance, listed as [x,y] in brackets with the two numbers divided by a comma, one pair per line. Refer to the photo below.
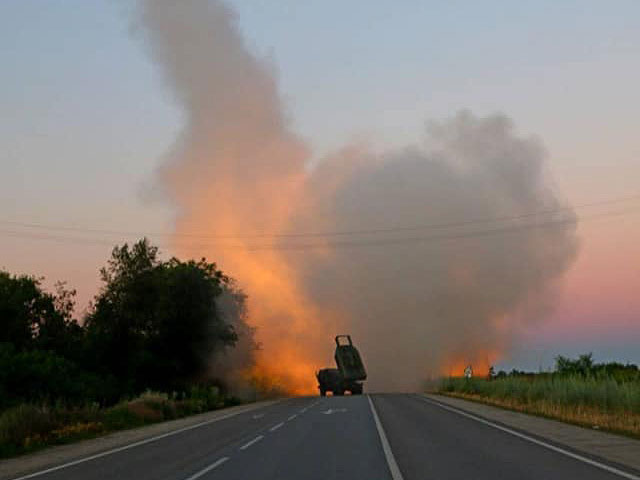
[417,299]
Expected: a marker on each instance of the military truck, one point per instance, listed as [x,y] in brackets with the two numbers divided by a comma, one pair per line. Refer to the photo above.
[350,373]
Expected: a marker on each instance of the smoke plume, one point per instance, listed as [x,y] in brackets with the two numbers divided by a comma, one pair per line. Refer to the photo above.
[428,256]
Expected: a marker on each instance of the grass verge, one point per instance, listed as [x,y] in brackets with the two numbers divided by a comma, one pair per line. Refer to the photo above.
[603,404]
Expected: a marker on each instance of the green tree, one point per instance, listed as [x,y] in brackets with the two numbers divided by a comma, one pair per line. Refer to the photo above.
[583,365]
[31,318]
[155,324]
[40,344]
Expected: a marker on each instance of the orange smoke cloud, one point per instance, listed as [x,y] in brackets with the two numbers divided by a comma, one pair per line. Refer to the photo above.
[237,170]
[288,326]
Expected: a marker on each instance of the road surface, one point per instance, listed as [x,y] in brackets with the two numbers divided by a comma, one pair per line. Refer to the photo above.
[385,436]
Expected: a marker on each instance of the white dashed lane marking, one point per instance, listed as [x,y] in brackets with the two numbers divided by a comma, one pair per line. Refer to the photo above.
[215,464]
[248,444]
[275,427]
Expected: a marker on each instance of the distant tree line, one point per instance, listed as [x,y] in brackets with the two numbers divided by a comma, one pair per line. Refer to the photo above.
[154,325]
[585,366]
[582,366]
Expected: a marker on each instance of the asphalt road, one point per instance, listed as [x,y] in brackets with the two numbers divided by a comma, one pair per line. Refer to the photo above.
[386,436]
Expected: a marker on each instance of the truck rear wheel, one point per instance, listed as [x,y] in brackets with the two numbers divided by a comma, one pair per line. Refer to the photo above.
[323,392]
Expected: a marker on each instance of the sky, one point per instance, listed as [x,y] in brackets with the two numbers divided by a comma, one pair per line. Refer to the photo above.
[85,120]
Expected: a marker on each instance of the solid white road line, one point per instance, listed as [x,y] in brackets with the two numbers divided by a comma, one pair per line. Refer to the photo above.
[275,427]
[515,433]
[215,464]
[133,445]
[292,417]
[248,444]
[391,460]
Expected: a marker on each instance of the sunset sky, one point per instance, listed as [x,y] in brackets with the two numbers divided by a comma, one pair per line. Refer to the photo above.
[86,120]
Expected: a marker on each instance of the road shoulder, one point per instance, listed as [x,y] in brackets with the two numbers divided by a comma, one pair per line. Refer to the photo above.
[613,448]
[57,455]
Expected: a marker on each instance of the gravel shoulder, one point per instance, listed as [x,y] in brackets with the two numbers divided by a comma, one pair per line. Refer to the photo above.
[49,457]
[610,447]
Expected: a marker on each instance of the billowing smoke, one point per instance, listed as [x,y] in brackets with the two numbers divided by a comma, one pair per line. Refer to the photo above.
[428,256]
[441,286]
[235,169]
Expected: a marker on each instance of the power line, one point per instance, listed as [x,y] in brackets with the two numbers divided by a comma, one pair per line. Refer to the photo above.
[457,224]
[54,238]
[326,233]
[339,244]
[422,239]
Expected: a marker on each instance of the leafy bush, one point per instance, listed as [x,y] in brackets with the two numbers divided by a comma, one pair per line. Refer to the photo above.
[43,376]
[208,396]
[23,425]
[120,417]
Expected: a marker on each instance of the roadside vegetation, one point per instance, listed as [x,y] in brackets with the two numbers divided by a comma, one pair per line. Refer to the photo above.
[596,395]
[145,351]
[29,427]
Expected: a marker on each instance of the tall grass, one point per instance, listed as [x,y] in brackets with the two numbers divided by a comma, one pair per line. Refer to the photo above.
[593,401]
